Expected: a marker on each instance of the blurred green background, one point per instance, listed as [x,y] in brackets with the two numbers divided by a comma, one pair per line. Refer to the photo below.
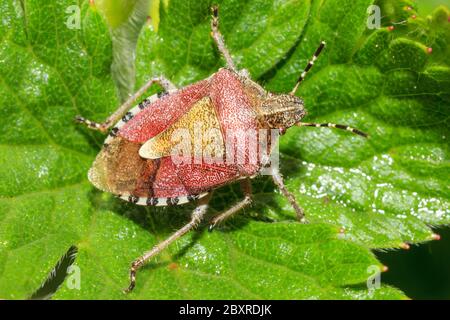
[427,6]
[423,272]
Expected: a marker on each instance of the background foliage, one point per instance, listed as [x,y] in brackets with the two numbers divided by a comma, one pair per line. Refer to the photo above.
[385,191]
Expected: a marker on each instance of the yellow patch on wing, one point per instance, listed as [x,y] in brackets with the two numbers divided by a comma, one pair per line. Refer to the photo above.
[196,134]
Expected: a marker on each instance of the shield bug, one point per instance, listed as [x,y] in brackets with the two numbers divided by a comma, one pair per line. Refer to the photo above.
[137,161]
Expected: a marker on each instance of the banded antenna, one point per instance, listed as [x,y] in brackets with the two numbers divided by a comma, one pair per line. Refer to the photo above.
[333,125]
[308,67]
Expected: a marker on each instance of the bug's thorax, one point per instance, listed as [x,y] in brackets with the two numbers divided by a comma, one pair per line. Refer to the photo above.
[274,111]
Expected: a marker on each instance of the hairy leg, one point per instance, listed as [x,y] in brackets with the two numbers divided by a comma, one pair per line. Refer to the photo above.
[196,218]
[120,112]
[278,179]
[218,38]
[247,189]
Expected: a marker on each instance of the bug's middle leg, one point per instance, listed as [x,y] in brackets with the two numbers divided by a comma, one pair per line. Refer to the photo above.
[120,112]
[247,189]
[196,218]
[278,179]
[218,38]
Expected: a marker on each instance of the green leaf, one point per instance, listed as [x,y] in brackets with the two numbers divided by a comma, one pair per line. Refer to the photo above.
[389,189]
[125,19]
[260,32]
[382,191]
[116,12]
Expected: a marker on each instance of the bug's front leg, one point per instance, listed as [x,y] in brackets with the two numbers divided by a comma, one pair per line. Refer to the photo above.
[247,189]
[218,38]
[196,218]
[120,112]
[278,179]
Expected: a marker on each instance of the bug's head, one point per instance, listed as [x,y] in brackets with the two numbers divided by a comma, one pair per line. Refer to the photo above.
[282,111]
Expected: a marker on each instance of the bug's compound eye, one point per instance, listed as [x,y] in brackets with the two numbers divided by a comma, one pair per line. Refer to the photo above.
[300,112]
[282,131]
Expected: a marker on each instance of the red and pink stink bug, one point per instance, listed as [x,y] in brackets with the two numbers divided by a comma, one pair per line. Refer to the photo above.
[137,164]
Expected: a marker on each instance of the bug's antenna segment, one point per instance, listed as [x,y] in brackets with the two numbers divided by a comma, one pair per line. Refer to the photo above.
[333,125]
[308,67]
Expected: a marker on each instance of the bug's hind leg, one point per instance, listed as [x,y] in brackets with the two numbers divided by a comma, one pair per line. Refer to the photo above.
[120,112]
[218,38]
[196,218]
[278,179]
[247,189]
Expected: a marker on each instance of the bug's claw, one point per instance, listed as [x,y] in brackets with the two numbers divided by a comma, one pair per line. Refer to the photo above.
[300,214]
[130,288]
[211,227]
[303,221]
[90,124]
[132,279]
[215,222]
